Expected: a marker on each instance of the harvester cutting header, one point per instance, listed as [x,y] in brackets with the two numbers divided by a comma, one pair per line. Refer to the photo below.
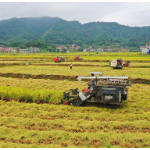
[101,89]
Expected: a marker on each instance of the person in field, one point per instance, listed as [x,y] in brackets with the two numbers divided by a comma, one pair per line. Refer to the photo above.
[71,66]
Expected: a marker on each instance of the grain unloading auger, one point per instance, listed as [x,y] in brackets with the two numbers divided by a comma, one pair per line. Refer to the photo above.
[101,89]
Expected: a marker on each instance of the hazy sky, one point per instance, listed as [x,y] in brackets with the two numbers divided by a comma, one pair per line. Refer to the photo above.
[125,13]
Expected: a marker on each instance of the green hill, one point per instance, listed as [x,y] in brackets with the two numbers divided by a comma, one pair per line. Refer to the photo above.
[58,31]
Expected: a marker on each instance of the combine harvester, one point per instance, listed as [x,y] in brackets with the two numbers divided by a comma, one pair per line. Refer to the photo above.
[118,63]
[77,58]
[107,90]
[58,59]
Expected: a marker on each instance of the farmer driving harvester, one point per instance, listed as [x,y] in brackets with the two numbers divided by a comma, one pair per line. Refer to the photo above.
[92,82]
[119,62]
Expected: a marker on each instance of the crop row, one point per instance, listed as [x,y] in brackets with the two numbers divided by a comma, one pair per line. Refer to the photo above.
[77,71]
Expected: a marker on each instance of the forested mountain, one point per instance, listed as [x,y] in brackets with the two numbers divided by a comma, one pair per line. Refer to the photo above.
[58,31]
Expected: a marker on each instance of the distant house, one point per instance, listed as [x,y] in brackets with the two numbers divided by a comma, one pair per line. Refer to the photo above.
[8,50]
[5,49]
[24,51]
[88,50]
[141,47]
[30,50]
[110,50]
[100,50]
[145,49]
[122,50]
[14,51]
[34,50]
[105,50]
[61,49]
[74,46]
[92,50]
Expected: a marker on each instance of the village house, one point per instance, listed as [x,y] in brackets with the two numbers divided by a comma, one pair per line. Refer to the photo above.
[18,50]
[24,51]
[90,49]
[145,49]
[61,49]
[74,46]
[100,50]
[8,50]
[86,50]
[122,50]
[30,50]
[108,50]
[34,50]
[14,51]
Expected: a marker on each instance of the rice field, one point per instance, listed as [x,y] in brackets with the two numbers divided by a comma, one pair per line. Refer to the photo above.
[31,115]
[77,71]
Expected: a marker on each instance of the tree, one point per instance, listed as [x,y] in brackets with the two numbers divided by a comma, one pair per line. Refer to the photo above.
[80,49]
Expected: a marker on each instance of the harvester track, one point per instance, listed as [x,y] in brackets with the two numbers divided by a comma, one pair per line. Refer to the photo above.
[61,77]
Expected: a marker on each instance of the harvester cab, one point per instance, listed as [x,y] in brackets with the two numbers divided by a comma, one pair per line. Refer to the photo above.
[77,58]
[118,63]
[58,59]
[107,90]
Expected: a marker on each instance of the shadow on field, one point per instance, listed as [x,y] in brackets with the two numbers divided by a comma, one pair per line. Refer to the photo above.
[108,106]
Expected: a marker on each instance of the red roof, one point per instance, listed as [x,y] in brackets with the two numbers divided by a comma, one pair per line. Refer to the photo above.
[4,48]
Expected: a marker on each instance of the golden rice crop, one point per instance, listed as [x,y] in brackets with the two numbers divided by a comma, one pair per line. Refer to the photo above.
[78,71]
[34,84]
[43,125]
[132,56]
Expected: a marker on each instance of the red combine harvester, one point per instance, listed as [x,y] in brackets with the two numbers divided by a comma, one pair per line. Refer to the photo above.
[77,58]
[58,59]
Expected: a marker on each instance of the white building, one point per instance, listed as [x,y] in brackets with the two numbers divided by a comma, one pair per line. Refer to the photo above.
[145,49]
[99,50]
[24,51]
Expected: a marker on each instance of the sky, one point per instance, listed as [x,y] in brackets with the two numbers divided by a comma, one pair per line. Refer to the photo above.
[125,13]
